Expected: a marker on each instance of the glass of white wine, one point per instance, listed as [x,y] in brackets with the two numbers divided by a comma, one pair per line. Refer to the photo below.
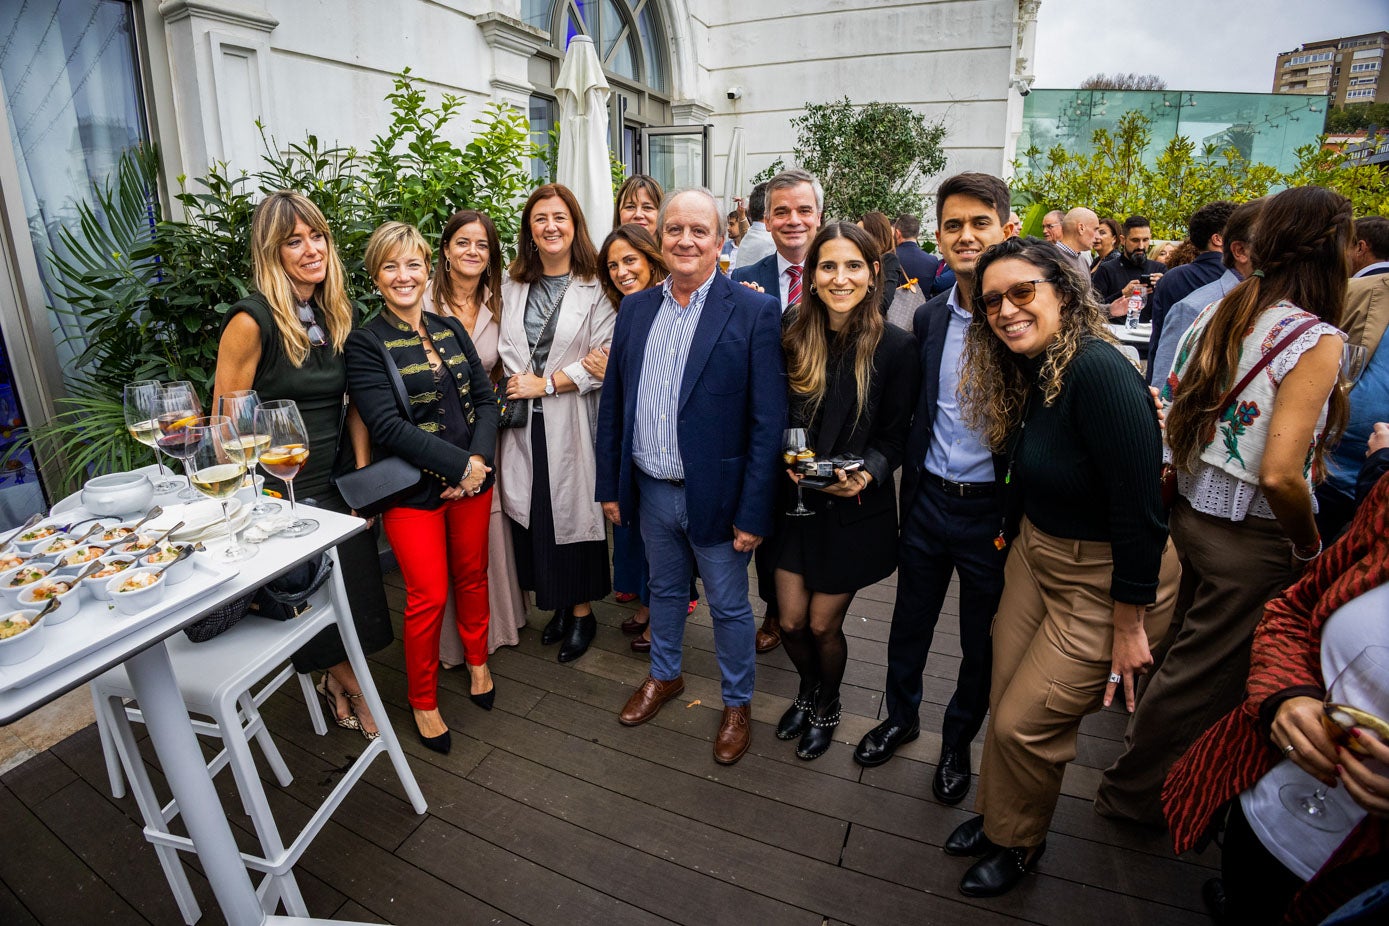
[286,454]
[241,407]
[215,471]
[141,420]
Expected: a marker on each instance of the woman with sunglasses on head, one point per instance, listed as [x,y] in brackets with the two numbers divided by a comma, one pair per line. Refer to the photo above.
[1091,579]
[285,341]
[446,426]
[853,384]
[467,286]
[554,313]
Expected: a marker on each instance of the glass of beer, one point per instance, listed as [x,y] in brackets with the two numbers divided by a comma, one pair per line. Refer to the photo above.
[215,471]
[285,453]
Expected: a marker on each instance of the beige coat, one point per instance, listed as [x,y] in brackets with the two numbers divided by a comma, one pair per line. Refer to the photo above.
[1367,310]
[585,321]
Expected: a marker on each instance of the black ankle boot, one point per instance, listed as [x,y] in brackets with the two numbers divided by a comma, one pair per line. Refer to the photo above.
[558,628]
[820,733]
[580,634]
[796,720]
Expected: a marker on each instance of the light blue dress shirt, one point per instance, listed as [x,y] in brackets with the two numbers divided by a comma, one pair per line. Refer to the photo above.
[655,436]
[956,452]
[1179,319]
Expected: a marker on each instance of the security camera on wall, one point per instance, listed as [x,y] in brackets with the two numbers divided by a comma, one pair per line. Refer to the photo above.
[1023,84]
[735,93]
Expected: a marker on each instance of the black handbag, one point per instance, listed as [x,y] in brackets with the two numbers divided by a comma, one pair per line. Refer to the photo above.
[515,414]
[280,599]
[381,484]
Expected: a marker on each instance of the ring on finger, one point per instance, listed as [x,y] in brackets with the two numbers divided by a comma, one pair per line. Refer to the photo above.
[1115,678]
[1289,749]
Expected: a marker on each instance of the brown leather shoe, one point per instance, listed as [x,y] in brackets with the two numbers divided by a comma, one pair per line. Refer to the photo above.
[768,636]
[735,735]
[647,700]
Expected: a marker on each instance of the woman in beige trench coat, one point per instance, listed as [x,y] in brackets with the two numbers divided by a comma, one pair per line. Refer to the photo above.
[553,313]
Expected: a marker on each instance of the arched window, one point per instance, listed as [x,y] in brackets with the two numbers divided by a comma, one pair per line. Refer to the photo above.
[632,45]
[627,34]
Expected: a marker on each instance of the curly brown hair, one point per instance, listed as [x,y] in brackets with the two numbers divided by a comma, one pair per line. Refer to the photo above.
[993,384]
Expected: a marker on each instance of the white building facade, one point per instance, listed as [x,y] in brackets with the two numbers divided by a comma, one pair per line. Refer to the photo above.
[84,79]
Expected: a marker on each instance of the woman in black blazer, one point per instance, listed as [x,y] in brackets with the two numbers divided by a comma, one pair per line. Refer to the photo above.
[853,382]
[448,430]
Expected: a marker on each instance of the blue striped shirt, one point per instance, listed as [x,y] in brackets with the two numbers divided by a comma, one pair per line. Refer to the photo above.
[655,437]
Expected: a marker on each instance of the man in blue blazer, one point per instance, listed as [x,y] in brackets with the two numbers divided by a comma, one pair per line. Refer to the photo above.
[952,507]
[689,444]
[795,207]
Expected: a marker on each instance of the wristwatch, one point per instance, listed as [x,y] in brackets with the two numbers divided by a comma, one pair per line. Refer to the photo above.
[549,385]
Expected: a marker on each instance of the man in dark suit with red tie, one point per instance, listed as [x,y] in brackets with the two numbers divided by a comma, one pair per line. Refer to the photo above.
[795,205]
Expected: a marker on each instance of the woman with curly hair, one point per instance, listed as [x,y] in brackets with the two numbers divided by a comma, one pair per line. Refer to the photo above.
[1091,580]
[1253,405]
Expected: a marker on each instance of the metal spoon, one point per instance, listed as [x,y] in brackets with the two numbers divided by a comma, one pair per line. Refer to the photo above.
[183,554]
[153,513]
[33,519]
[160,539]
[52,603]
[87,570]
[91,530]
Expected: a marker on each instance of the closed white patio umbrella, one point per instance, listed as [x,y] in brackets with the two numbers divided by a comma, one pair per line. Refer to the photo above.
[583,136]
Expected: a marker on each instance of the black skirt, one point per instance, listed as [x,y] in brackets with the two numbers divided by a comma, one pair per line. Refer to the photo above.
[560,575]
[366,596]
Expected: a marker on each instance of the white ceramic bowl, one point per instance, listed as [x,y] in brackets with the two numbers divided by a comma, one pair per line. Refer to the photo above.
[53,548]
[137,600]
[9,594]
[54,528]
[96,585]
[80,555]
[68,601]
[111,532]
[118,494]
[12,558]
[177,572]
[24,645]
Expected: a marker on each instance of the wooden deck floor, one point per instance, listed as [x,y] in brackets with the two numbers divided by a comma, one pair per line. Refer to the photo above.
[547,811]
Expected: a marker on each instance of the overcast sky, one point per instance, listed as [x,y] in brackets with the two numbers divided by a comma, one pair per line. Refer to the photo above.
[1192,44]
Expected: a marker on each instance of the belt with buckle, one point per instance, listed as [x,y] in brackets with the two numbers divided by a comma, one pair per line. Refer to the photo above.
[963,489]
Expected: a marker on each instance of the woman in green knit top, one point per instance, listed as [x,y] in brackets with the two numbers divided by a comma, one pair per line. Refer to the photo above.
[1091,579]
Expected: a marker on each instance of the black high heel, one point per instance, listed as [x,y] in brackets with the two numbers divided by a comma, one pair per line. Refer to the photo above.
[485,699]
[440,744]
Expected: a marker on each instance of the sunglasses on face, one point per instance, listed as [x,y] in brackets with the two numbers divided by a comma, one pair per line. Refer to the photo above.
[1019,294]
[306,317]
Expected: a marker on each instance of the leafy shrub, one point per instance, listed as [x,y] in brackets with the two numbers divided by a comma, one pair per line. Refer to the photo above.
[151,294]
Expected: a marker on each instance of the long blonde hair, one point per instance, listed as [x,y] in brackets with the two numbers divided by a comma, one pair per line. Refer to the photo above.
[271,224]
[806,340]
[993,384]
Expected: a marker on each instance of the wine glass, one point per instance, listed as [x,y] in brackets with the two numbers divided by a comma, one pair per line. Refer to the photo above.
[1365,682]
[1353,360]
[141,403]
[793,448]
[215,471]
[178,408]
[286,454]
[241,407]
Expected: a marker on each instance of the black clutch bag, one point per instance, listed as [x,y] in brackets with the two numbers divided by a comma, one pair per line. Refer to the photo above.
[379,486]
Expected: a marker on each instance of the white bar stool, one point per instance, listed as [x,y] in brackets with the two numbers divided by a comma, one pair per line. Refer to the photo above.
[215,679]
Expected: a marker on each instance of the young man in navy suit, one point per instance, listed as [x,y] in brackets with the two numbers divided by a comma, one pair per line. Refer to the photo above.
[689,443]
[795,207]
[951,506]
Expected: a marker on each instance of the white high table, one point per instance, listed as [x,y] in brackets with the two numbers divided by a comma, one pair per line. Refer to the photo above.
[151,674]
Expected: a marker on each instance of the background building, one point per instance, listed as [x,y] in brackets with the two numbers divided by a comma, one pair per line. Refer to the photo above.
[83,80]
[1348,70]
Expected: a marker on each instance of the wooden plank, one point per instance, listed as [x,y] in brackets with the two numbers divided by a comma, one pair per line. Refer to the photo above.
[12,912]
[38,777]
[1042,898]
[52,883]
[533,892]
[776,872]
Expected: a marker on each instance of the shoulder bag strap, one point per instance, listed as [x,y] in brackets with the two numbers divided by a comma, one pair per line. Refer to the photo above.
[1265,360]
[402,397]
[545,327]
